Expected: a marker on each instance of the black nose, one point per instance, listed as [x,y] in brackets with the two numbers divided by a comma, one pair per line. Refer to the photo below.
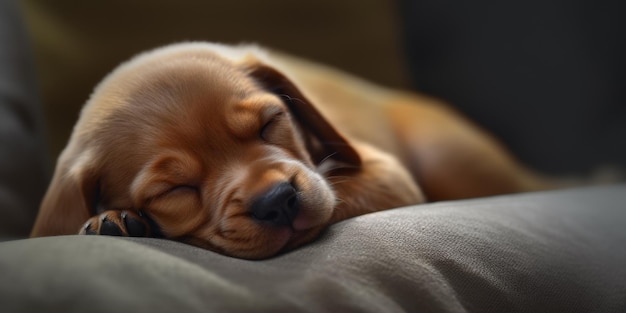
[278,206]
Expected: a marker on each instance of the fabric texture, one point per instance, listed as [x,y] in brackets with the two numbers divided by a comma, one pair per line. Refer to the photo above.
[542,252]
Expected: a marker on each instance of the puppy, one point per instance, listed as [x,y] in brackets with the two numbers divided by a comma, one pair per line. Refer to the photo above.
[250,153]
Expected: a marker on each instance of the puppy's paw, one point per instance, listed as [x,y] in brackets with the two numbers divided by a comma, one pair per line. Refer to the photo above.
[118,223]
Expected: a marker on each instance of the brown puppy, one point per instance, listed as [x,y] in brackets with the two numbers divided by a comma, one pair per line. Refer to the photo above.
[250,153]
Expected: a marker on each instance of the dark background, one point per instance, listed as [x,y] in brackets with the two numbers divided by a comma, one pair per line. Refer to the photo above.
[546,77]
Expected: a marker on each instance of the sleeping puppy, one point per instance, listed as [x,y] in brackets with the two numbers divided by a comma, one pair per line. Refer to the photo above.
[250,153]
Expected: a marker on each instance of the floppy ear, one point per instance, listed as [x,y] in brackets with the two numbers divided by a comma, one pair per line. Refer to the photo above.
[69,202]
[322,140]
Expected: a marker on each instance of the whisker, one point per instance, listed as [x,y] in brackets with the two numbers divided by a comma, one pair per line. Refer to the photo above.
[333,184]
[292,99]
[334,143]
[324,167]
[338,166]
[327,157]
[341,181]
[333,178]
[338,201]
[349,166]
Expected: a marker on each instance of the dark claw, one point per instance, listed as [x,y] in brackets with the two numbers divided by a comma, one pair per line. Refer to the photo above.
[88,230]
[155,230]
[110,228]
[134,227]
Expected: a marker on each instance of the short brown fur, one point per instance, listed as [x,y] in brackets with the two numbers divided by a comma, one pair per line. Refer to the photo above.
[191,134]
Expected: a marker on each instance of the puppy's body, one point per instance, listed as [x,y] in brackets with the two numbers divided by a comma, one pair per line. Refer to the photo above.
[248,153]
[449,156]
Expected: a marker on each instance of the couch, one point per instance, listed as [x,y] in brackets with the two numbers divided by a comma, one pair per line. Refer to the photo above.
[542,252]
[552,251]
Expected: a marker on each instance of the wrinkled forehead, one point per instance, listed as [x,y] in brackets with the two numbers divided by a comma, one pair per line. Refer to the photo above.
[177,95]
[188,100]
[189,85]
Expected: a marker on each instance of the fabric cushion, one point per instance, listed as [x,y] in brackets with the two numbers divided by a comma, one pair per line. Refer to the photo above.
[541,252]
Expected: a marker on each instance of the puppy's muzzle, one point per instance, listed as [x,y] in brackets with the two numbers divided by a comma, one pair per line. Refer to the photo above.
[278,206]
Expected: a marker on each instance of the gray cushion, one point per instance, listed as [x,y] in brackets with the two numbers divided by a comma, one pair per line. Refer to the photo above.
[559,251]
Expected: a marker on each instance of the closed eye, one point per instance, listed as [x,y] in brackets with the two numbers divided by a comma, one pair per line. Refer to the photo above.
[172,191]
[267,128]
[180,189]
[176,190]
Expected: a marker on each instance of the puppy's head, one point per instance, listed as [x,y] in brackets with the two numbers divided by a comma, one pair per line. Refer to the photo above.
[220,149]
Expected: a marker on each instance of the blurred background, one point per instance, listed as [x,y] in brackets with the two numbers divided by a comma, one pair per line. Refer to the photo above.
[546,77]
[78,42]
